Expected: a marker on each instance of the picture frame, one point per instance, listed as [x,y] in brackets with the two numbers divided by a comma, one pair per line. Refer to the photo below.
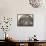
[24,19]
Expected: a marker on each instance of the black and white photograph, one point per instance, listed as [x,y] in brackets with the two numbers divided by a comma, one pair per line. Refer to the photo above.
[24,19]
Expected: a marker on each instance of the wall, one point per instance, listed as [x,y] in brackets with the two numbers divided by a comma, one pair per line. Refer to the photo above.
[10,8]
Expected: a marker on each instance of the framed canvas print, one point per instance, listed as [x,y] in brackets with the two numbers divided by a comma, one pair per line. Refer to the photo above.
[24,19]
